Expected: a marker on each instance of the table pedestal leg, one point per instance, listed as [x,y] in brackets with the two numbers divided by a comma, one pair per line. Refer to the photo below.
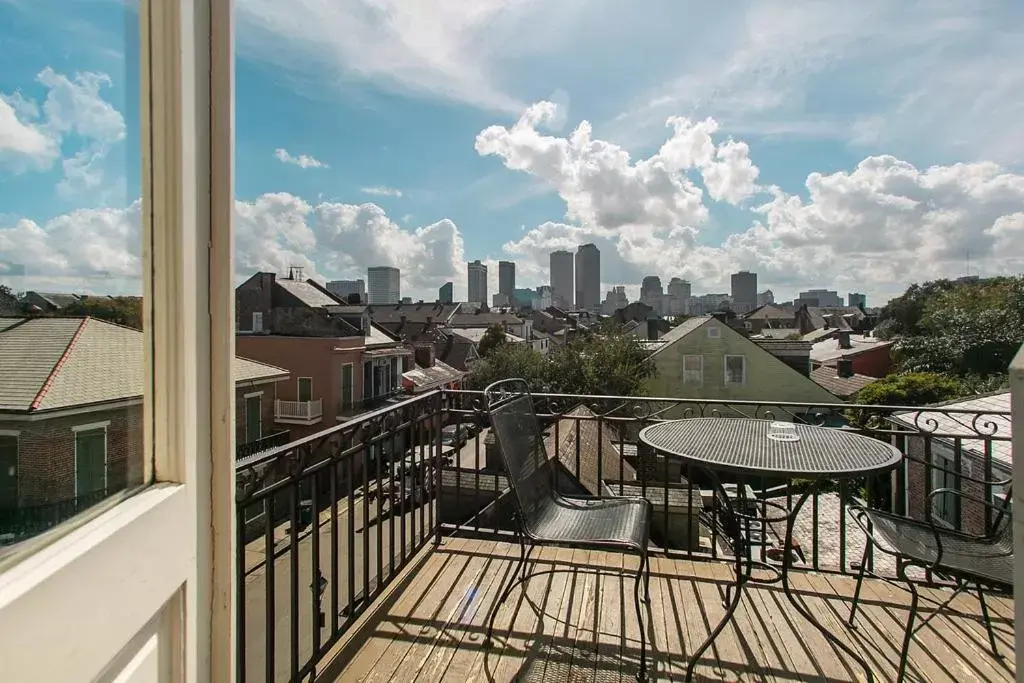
[787,559]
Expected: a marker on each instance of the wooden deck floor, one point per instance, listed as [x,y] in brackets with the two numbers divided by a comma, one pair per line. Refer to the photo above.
[567,625]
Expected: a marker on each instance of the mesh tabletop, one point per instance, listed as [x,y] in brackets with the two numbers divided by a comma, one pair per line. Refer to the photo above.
[742,445]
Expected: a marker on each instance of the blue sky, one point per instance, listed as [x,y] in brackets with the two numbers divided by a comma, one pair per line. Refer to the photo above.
[858,146]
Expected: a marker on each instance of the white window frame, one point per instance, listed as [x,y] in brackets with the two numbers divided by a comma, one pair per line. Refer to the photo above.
[688,375]
[159,565]
[714,332]
[257,321]
[725,369]
[106,450]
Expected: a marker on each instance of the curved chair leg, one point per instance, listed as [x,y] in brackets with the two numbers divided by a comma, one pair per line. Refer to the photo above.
[860,581]
[988,622]
[524,553]
[638,603]
[646,559]
[909,634]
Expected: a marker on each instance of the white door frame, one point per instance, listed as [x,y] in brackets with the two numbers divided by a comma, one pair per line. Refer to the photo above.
[144,590]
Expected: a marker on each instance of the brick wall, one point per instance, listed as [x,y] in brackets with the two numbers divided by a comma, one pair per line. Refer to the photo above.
[46,453]
[919,482]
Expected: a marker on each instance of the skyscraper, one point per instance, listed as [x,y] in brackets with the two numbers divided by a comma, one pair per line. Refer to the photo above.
[385,285]
[744,291]
[678,295]
[345,288]
[507,279]
[446,293]
[476,273]
[562,287]
[588,278]
[855,300]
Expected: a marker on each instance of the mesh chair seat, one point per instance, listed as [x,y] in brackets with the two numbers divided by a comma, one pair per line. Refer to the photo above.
[961,554]
[606,521]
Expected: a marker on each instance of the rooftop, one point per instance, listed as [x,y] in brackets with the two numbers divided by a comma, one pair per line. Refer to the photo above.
[484,319]
[843,387]
[829,349]
[413,313]
[475,334]
[52,363]
[439,374]
[307,293]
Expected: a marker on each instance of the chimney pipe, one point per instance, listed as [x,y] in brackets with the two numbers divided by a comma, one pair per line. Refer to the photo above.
[844,367]
[844,339]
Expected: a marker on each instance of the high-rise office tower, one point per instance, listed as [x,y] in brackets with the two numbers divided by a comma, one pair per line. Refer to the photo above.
[588,278]
[476,274]
[744,291]
[562,287]
[678,295]
[507,279]
[385,285]
[446,293]
[343,289]
[855,300]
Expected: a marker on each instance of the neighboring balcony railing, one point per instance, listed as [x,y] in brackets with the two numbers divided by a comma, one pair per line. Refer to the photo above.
[298,411]
[17,523]
[343,511]
[251,448]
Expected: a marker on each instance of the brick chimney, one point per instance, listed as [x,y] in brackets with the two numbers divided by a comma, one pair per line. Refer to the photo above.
[844,367]
[424,355]
[844,339]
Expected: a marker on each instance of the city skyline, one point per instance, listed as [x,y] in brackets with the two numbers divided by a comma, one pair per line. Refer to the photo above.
[809,158]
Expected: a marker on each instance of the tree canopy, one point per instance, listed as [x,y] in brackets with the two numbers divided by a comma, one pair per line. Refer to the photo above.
[493,338]
[962,328]
[910,389]
[610,363]
[122,310]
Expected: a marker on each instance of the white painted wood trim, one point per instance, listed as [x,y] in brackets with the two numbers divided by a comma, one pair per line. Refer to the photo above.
[61,594]
[253,394]
[10,432]
[91,425]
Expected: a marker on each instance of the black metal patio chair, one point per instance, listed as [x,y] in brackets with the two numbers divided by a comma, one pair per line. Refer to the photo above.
[982,562]
[543,516]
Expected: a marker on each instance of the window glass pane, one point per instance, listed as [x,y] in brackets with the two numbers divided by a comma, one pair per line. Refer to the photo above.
[305,389]
[71,264]
[734,366]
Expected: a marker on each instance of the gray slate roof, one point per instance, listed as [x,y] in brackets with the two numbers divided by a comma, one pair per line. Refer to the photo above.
[681,330]
[980,408]
[53,363]
[307,293]
[843,387]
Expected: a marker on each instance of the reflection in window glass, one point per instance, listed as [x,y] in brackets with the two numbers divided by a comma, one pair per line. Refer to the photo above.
[71,343]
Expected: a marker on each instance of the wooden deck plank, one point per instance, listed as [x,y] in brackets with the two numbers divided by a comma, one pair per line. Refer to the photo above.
[569,625]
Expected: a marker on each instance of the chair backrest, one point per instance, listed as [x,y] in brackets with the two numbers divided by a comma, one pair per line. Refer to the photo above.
[1002,525]
[521,443]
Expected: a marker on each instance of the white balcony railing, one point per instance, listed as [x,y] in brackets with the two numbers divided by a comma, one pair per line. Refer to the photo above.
[304,411]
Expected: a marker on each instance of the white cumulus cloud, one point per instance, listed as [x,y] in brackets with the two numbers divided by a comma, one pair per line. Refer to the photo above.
[302,160]
[382,191]
[73,113]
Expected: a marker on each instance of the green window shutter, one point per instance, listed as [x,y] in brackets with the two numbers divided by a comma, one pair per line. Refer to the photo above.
[8,471]
[346,387]
[305,389]
[90,461]
[253,419]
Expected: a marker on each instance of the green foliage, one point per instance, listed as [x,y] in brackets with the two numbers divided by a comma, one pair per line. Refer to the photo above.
[610,363]
[959,328]
[506,361]
[910,389]
[122,310]
[494,338]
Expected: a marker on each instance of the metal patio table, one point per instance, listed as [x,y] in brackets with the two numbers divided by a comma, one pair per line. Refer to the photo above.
[745,447]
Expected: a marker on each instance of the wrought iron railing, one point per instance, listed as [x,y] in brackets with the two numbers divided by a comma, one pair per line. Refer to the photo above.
[324,523]
[327,521]
[942,447]
[17,523]
[251,448]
